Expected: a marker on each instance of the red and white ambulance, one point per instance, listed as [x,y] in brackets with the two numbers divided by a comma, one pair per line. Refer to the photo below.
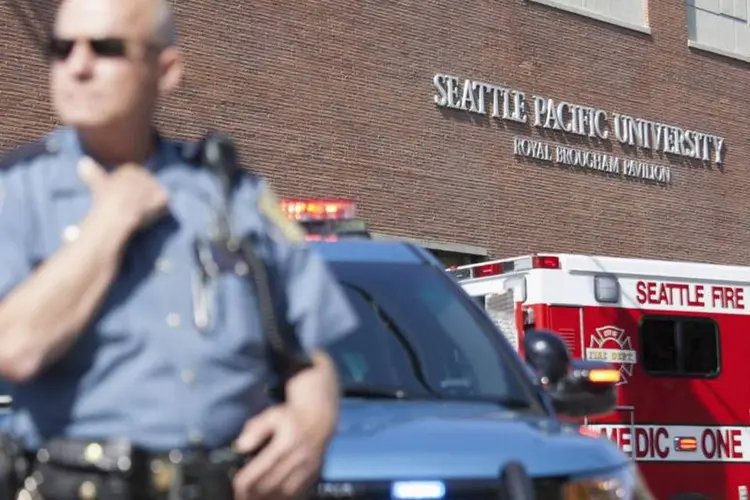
[680,333]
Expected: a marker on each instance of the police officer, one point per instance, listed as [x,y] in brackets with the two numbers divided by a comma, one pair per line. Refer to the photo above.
[106,329]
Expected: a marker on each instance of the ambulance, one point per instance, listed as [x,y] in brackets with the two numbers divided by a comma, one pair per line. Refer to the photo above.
[679,333]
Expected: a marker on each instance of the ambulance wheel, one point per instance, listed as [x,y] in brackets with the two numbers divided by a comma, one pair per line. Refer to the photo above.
[689,496]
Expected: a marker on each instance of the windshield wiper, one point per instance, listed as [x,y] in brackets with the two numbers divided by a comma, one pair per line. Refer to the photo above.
[416,364]
[374,392]
[419,372]
[509,402]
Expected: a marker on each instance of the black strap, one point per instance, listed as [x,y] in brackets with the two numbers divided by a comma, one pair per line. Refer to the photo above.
[286,352]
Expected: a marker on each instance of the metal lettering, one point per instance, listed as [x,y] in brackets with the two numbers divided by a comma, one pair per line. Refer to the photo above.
[531,149]
[510,104]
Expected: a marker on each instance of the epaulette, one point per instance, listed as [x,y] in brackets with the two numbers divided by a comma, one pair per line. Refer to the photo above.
[25,152]
[192,152]
[270,206]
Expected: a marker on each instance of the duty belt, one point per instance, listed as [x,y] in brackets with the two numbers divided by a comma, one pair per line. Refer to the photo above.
[87,470]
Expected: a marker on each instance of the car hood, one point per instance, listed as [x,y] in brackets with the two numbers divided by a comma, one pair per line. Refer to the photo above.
[381,440]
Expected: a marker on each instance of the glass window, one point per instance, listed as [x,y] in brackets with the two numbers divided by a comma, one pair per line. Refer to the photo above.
[700,347]
[481,300]
[455,258]
[719,26]
[627,13]
[420,333]
[680,346]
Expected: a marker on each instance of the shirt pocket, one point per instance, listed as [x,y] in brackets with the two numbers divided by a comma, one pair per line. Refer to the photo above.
[227,317]
[238,322]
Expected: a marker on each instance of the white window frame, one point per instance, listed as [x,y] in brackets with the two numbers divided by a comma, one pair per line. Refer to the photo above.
[703,47]
[720,52]
[557,4]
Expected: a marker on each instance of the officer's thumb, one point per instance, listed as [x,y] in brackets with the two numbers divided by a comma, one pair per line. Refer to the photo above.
[90,171]
[256,433]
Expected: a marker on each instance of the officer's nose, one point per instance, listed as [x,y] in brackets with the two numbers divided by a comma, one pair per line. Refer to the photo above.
[80,62]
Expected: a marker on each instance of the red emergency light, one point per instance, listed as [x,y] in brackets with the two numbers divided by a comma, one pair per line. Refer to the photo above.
[319,237]
[587,431]
[545,262]
[487,270]
[304,210]
[495,268]
[326,219]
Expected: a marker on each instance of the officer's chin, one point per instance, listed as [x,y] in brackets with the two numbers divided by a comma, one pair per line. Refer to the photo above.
[87,122]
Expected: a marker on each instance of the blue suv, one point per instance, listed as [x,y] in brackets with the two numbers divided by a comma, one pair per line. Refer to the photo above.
[436,403]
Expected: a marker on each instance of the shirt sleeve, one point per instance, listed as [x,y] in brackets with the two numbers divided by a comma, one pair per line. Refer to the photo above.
[15,229]
[315,302]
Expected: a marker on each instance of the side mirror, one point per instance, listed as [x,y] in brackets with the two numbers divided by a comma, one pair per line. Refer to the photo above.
[578,388]
[547,354]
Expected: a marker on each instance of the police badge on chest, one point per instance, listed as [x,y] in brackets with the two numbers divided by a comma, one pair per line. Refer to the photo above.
[214,257]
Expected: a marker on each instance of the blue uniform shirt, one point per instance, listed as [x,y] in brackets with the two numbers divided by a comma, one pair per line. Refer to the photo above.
[144,370]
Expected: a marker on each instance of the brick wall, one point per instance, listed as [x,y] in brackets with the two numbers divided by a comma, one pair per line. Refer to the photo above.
[332,98]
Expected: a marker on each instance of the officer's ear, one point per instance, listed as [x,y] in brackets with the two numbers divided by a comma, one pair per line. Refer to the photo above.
[171,66]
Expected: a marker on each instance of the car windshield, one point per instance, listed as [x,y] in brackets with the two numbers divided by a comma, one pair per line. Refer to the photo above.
[419,336]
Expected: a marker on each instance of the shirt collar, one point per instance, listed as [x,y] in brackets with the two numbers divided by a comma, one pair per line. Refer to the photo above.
[64,144]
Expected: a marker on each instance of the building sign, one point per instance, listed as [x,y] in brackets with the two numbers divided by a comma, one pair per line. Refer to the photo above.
[507,104]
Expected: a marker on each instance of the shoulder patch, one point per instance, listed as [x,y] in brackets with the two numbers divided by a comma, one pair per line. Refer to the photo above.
[269,206]
[26,152]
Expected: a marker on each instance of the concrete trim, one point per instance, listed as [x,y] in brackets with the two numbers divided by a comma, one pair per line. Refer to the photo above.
[436,245]
[594,15]
[725,53]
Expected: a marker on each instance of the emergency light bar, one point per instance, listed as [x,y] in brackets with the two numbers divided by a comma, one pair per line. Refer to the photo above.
[496,268]
[326,220]
[304,210]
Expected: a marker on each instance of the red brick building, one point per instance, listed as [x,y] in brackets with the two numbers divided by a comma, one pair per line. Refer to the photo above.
[332,98]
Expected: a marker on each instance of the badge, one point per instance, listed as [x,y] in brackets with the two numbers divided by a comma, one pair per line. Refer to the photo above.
[612,345]
[269,205]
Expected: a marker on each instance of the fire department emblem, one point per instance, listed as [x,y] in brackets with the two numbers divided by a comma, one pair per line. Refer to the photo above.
[612,345]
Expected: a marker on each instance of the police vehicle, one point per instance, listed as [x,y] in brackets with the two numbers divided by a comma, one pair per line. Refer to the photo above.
[435,401]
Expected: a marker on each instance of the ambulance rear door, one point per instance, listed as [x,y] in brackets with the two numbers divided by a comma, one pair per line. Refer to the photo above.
[501,298]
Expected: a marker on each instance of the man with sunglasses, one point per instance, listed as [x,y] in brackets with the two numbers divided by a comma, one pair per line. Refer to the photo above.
[125,357]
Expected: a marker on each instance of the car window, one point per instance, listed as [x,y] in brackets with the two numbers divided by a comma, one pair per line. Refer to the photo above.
[420,333]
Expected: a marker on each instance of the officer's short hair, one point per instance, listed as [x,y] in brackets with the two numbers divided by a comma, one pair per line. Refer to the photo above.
[165,28]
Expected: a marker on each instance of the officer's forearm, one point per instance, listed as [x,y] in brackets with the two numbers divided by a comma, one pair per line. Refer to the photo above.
[41,317]
[315,391]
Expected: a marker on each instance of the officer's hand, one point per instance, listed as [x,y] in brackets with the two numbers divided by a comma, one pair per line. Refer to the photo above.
[130,193]
[288,465]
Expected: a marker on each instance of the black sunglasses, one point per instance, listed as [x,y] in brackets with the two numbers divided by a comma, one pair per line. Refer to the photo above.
[59,49]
